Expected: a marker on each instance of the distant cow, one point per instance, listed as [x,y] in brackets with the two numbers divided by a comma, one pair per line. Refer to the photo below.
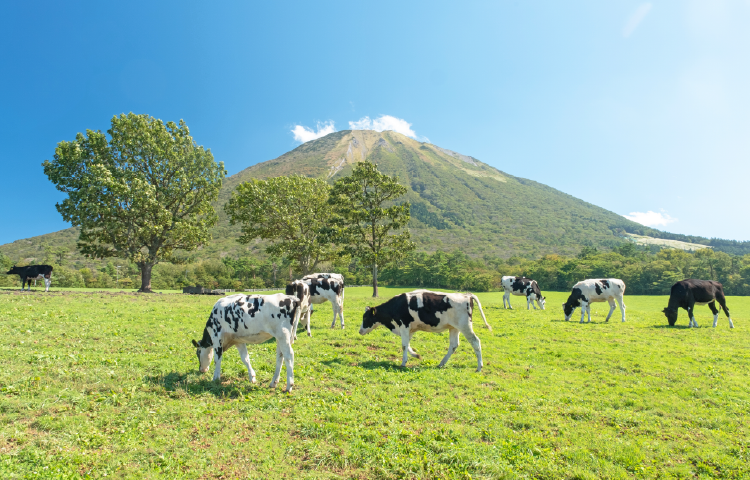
[327,287]
[689,293]
[33,272]
[586,292]
[423,310]
[301,290]
[242,319]
[522,286]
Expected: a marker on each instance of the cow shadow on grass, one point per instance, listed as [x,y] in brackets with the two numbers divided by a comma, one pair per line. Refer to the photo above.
[179,384]
[676,327]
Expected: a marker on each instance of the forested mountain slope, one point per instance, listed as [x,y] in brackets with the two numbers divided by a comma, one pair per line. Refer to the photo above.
[457,202]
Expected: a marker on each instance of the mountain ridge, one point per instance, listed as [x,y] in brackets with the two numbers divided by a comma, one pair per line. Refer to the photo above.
[457,201]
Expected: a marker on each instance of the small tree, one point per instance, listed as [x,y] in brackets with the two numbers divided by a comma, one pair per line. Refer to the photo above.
[363,222]
[140,194]
[289,211]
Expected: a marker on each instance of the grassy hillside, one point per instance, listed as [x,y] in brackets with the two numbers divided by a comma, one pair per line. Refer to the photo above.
[101,384]
[457,202]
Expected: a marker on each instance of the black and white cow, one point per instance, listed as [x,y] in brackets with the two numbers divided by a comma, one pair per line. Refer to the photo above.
[242,319]
[33,272]
[689,293]
[423,310]
[327,287]
[522,286]
[586,292]
[301,290]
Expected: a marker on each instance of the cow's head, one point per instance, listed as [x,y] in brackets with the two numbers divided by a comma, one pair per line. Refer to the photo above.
[541,301]
[569,307]
[205,355]
[13,270]
[671,314]
[372,318]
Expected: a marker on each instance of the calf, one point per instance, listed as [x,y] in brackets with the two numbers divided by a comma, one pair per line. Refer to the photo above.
[689,293]
[301,290]
[423,310]
[327,287]
[522,286]
[586,292]
[242,319]
[33,272]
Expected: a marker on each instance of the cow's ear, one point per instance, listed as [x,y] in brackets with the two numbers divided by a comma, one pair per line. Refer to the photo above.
[195,344]
[367,308]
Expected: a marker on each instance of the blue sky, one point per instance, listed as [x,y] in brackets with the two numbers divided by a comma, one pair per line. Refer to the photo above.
[633,106]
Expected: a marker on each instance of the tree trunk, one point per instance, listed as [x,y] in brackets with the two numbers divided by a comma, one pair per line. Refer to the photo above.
[146,277]
[374,280]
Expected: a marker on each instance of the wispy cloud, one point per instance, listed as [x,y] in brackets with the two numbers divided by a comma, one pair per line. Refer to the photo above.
[304,134]
[651,219]
[386,122]
[635,19]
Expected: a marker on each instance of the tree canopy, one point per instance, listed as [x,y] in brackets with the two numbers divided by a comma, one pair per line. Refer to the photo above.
[366,214]
[140,192]
[292,212]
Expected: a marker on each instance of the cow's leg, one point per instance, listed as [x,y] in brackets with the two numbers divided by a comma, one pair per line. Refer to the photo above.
[528,301]
[506,297]
[413,352]
[217,363]
[621,303]
[405,340]
[475,343]
[288,352]
[723,302]
[47,283]
[611,308]
[307,319]
[277,372]
[334,307]
[452,345]
[242,348]
[583,311]
[535,299]
[715,311]
[341,310]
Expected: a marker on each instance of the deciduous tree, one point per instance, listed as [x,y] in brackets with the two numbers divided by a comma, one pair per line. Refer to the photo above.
[140,192]
[366,216]
[291,212]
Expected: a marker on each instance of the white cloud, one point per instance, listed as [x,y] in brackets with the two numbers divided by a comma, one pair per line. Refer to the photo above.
[304,134]
[384,122]
[651,219]
[635,19]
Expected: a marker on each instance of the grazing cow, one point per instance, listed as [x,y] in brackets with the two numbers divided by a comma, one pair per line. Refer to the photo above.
[423,310]
[33,272]
[301,290]
[689,293]
[327,287]
[242,319]
[522,286]
[586,292]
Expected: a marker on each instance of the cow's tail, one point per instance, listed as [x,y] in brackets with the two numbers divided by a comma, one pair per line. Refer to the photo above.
[297,316]
[474,297]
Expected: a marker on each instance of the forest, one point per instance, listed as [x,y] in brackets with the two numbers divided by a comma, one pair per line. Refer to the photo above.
[645,271]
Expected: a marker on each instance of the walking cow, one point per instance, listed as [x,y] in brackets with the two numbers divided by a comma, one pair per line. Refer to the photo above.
[586,292]
[689,293]
[242,319]
[327,287]
[33,272]
[423,310]
[522,286]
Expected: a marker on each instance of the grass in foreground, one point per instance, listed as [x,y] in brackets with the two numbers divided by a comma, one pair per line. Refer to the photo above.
[101,384]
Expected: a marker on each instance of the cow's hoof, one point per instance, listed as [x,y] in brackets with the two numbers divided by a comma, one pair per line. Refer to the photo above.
[418,356]
[309,334]
[272,385]
[289,389]
[252,380]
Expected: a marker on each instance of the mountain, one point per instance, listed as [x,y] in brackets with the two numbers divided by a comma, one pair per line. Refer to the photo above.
[457,202]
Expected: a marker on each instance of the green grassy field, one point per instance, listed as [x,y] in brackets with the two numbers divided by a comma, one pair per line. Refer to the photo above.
[104,384]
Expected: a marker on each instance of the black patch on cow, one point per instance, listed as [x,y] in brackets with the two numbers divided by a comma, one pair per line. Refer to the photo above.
[605,283]
[206,341]
[574,301]
[598,288]
[519,284]
[433,304]
[686,293]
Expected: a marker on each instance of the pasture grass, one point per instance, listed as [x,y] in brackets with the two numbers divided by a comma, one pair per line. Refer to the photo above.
[105,384]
